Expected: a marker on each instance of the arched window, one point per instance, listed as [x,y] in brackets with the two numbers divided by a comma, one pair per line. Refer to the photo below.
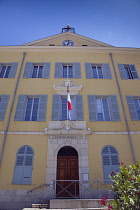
[110,160]
[23,165]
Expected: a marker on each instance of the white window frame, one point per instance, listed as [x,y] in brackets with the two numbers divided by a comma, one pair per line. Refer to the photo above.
[101,98]
[97,71]
[138,99]
[71,112]
[38,66]
[5,65]
[67,74]
[129,71]
[36,97]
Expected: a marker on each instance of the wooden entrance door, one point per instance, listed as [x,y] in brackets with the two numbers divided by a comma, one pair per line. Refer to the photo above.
[67,169]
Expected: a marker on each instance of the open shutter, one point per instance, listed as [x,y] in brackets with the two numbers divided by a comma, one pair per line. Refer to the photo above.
[56,107]
[89,74]
[114,109]
[42,108]
[3,106]
[132,109]
[77,70]
[20,107]
[18,174]
[122,71]
[79,107]
[58,70]
[106,71]
[46,70]
[28,70]
[13,70]
[92,108]
[133,71]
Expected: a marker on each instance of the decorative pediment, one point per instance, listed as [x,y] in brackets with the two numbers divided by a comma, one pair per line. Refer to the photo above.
[62,88]
[67,128]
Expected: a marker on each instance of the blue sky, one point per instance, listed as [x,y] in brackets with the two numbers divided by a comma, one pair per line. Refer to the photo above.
[116,22]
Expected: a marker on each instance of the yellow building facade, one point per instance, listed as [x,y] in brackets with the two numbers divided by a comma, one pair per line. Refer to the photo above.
[39,141]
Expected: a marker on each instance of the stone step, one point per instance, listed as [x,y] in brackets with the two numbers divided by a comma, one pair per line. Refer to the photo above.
[104,208]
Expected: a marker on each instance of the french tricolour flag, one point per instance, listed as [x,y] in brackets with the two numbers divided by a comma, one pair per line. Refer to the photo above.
[69,101]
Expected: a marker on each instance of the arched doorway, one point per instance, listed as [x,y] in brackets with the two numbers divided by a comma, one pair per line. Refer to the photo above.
[67,170]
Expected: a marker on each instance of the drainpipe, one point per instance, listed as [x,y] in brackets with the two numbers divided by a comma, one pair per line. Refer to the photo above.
[124,112]
[11,108]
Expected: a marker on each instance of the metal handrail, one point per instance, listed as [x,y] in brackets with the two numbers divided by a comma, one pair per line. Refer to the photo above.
[47,185]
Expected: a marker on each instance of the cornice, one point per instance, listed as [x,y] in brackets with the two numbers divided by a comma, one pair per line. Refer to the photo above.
[70,49]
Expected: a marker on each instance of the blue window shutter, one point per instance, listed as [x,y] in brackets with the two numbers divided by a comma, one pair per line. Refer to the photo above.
[42,108]
[3,106]
[134,71]
[106,71]
[77,70]
[132,109]
[58,70]
[79,107]
[114,108]
[20,110]
[46,70]
[28,70]
[18,175]
[88,67]
[122,71]
[27,175]
[56,107]
[13,70]
[92,108]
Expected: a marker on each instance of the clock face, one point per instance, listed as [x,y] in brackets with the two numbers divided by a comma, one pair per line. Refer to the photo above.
[68,43]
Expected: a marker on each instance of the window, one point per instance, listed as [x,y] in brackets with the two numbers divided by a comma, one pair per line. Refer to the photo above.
[98,71]
[37,72]
[8,70]
[134,107]
[103,108]
[128,71]
[64,70]
[67,71]
[23,166]
[33,70]
[3,106]
[31,108]
[59,108]
[110,161]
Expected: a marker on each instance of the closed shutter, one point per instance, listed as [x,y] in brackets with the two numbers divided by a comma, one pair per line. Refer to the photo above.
[20,110]
[92,108]
[114,109]
[106,71]
[77,70]
[133,71]
[3,106]
[23,166]
[56,107]
[58,70]
[42,108]
[122,71]
[88,67]
[79,107]
[110,161]
[28,70]
[13,70]
[46,70]
[132,109]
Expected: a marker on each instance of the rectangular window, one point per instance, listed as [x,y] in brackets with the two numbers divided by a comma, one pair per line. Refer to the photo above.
[64,109]
[5,70]
[37,71]
[130,72]
[31,109]
[97,72]
[102,109]
[67,71]
[137,106]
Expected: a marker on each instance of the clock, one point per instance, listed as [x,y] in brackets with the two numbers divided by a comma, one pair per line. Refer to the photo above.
[68,43]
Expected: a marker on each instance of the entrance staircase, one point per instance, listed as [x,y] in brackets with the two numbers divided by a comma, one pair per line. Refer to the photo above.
[69,204]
